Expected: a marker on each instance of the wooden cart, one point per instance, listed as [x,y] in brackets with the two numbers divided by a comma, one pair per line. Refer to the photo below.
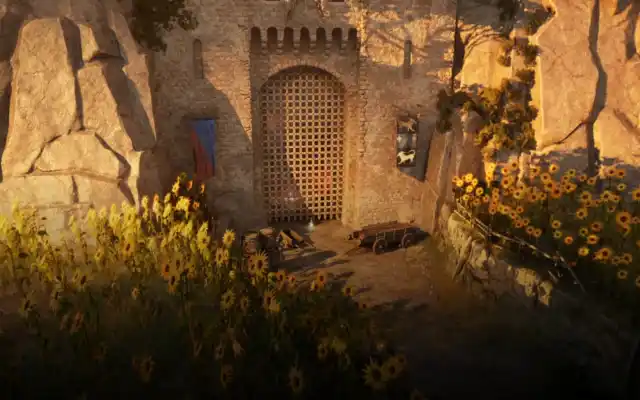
[382,236]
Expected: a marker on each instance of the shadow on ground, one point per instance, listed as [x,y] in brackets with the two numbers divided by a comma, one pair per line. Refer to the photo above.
[459,346]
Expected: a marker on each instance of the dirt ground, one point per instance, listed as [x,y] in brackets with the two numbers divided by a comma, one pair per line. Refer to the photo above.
[459,346]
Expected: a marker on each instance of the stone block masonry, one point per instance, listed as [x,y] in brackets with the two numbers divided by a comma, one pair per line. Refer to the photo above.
[112,128]
[371,71]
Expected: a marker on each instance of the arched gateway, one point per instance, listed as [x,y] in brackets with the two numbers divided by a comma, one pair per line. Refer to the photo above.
[302,118]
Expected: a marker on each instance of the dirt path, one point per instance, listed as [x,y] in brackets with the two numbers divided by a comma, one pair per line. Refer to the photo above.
[458,345]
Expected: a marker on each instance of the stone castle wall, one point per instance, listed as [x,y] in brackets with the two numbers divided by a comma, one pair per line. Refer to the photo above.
[376,92]
[91,154]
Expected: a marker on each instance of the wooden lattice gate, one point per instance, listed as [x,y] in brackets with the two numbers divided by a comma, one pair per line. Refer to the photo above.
[302,111]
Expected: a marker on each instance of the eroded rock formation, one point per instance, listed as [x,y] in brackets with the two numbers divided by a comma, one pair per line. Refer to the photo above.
[79,135]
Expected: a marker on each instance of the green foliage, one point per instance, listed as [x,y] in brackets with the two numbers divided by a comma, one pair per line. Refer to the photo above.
[144,303]
[507,113]
[527,77]
[538,18]
[504,58]
[528,51]
[149,20]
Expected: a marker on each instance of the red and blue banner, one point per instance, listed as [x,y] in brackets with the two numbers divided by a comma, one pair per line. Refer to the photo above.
[203,138]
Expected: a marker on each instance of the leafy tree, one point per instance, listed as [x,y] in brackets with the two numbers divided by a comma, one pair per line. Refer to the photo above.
[150,19]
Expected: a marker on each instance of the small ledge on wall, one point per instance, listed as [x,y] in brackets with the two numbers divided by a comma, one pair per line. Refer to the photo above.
[301,41]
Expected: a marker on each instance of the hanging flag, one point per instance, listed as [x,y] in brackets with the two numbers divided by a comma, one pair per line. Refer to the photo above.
[203,141]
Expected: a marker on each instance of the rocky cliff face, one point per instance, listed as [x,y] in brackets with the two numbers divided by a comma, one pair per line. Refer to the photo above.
[80,126]
[587,76]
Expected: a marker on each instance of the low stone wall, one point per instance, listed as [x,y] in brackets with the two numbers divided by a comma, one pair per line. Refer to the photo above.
[482,266]
[496,273]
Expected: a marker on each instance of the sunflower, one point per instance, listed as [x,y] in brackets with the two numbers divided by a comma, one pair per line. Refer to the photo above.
[593,239]
[627,258]
[583,232]
[534,170]
[596,227]
[545,177]
[585,196]
[493,210]
[519,209]
[610,172]
[604,254]
[219,351]
[269,301]
[339,346]
[583,251]
[166,269]
[556,224]
[259,261]
[228,238]
[222,255]
[348,291]
[468,178]
[581,213]
[568,240]
[80,280]
[606,196]
[226,375]
[172,282]
[507,182]
[556,193]
[392,368]
[374,376]
[537,233]
[557,234]
[553,168]
[621,187]
[323,350]
[321,278]
[296,380]
[460,183]
[635,195]
[244,304]
[592,181]
[623,274]
[145,368]
[530,230]
[623,218]
[227,300]
[615,260]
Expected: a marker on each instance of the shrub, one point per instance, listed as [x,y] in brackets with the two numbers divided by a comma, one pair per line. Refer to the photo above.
[146,303]
[529,52]
[597,234]
[538,18]
[527,76]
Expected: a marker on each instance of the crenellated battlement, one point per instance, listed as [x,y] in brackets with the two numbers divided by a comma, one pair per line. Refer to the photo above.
[322,41]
